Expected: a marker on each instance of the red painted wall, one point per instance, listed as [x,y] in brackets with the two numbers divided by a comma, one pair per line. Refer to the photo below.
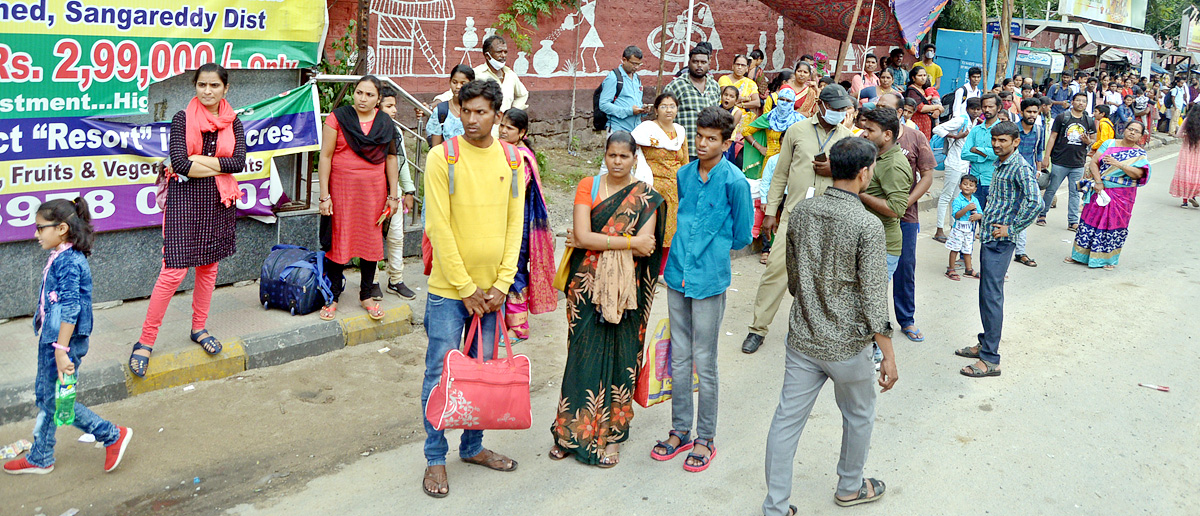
[417,42]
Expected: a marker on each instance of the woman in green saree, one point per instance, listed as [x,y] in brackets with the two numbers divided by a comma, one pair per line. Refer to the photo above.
[613,268]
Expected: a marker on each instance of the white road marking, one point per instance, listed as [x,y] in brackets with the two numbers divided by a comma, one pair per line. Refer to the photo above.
[1164,158]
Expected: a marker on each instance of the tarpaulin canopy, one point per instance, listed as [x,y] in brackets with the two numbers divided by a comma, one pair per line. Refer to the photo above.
[881,22]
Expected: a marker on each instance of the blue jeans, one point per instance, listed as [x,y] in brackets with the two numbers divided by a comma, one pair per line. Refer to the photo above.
[994,259]
[893,262]
[445,322]
[42,453]
[1057,174]
[904,282]
[981,193]
[1020,239]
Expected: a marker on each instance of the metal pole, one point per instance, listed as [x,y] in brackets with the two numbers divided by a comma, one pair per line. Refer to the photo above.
[572,147]
[690,15]
[662,48]
[837,66]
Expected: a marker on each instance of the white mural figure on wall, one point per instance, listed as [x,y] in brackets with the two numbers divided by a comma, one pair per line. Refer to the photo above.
[679,43]
[521,65]
[714,39]
[400,35]
[592,39]
[777,57]
[470,42]
[545,60]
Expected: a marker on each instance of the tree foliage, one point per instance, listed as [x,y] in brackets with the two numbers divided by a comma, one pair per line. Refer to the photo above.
[1162,16]
[521,18]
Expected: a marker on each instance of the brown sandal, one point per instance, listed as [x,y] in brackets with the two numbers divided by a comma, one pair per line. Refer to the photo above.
[557,453]
[763,259]
[608,460]
[438,485]
[492,460]
[953,274]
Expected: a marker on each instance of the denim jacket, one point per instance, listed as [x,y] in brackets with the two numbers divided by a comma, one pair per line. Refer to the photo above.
[66,297]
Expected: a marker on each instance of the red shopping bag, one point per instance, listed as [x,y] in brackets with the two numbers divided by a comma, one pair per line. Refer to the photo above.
[478,395]
[654,380]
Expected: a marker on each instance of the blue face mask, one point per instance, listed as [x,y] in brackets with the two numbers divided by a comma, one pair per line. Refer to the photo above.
[832,117]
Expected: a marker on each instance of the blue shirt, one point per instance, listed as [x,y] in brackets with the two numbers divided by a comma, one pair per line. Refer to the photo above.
[961,201]
[620,111]
[981,166]
[451,128]
[1058,93]
[714,218]
[1033,144]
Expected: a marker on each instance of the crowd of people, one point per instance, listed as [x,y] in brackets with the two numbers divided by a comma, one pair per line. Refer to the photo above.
[826,175]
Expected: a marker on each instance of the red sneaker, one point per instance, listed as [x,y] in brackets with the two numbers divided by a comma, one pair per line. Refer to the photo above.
[115,451]
[23,467]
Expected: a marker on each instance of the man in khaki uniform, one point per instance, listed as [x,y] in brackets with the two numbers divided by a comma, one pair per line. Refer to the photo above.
[799,170]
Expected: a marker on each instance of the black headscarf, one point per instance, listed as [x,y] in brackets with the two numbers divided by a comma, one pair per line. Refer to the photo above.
[374,146]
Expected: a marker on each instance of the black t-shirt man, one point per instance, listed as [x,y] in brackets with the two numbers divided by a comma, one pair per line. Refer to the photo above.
[1069,149]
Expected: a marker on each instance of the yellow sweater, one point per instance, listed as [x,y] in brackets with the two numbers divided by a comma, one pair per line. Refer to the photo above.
[475,233]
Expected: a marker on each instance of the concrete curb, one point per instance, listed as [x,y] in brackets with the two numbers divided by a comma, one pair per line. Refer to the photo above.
[111,380]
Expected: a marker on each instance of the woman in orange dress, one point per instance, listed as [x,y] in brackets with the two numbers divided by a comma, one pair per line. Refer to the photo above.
[662,148]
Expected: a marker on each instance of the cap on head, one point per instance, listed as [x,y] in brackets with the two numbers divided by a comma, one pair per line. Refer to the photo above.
[835,97]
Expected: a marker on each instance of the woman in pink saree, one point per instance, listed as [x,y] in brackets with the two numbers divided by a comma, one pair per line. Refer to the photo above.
[532,290]
[1110,190]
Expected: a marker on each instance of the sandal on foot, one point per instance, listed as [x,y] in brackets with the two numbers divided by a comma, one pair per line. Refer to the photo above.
[211,345]
[557,452]
[913,334]
[705,460]
[491,460]
[970,273]
[941,239]
[862,494]
[976,372]
[1070,261]
[437,485]
[763,259]
[608,460]
[1041,221]
[375,312]
[1072,227]
[1025,260]
[793,510]
[1110,268]
[329,312]
[669,452]
[968,352]
[953,274]
[138,363]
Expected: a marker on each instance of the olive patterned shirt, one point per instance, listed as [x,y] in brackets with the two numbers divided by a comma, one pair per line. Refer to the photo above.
[837,273]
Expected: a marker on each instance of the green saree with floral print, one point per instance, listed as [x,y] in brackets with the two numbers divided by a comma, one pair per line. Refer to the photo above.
[596,405]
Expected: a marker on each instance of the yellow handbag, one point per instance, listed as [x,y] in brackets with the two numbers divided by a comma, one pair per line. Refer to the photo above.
[564,271]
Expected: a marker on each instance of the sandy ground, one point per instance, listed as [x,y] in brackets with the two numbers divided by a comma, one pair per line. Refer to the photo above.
[1066,430]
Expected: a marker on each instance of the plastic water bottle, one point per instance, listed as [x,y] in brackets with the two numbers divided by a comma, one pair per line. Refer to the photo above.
[64,400]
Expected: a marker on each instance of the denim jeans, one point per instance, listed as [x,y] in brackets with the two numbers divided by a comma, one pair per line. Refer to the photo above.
[904,286]
[445,322]
[1057,174]
[994,259]
[981,193]
[42,453]
[893,262]
[1020,240]
[695,326]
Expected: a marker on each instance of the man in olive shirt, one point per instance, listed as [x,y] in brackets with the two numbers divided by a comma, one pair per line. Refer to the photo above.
[803,166]
[887,195]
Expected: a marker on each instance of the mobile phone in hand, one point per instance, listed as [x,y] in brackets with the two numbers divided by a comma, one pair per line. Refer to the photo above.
[819,157]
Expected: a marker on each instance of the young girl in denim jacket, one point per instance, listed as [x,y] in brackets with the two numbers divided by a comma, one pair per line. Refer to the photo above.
[63,322]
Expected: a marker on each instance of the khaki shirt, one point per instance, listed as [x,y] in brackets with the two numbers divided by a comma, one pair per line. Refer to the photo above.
[515,94]
[892,181]
[794,171]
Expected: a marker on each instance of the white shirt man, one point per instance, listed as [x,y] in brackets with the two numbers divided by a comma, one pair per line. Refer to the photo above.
[967,91]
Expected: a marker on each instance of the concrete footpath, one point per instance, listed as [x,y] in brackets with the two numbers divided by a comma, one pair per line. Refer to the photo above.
[252,338]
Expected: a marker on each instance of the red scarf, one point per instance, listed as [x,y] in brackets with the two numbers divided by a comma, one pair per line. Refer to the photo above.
[200,120]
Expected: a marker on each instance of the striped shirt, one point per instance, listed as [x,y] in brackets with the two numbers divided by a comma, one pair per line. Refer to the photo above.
[1014,199]
[691,102]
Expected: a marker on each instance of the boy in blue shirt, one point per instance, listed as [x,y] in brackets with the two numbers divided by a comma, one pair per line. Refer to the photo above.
[715,216]
[966,212]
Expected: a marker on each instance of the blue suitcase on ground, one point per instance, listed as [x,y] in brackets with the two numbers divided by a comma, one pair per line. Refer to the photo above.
[293,279]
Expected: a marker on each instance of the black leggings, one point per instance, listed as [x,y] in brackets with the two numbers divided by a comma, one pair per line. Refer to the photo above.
[337,276]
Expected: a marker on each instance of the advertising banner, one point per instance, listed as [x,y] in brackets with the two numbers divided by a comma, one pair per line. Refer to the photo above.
[71,58]
[1192,38]
[1130,13]
[111,164]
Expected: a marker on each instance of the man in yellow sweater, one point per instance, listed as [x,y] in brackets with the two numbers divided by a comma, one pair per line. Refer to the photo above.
[473,217]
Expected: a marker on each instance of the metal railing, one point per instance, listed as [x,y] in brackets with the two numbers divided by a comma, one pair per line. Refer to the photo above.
[415,134]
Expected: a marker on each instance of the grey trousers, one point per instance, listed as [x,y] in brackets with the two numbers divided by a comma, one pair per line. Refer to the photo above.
[854,391]
[695,325]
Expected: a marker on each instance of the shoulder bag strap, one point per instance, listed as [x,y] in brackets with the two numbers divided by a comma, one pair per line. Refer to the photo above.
[514,163]
[450,148]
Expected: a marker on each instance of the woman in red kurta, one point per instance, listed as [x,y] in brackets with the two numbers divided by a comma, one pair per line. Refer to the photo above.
[358,171]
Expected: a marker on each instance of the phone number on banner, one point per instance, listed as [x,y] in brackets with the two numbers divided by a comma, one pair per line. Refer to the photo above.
[123,61]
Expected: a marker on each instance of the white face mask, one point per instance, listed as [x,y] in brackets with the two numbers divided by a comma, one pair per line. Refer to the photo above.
[496,65]
[832,117]
[929,54]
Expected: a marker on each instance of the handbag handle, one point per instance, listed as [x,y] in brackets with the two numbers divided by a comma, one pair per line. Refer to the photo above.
[501,333]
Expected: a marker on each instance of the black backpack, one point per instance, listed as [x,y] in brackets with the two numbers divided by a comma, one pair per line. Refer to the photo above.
[600,118]
[442,110]
[948,102]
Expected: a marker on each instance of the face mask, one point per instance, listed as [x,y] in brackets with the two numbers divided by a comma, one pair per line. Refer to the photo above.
[832,117]
[496,65]
[929,54]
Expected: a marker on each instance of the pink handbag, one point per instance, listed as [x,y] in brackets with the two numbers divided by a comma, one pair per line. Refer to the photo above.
[478,395]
